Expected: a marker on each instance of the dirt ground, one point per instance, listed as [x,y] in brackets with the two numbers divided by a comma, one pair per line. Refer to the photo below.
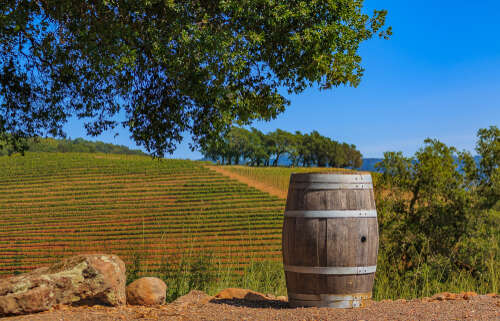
[199,306]
[250,182]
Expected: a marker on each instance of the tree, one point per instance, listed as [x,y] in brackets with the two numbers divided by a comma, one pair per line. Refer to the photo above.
[281,142]
[336,155]
[306,150]
[237,143]
[488,171]
[435,208]
[214,150]
[319,148]
[171,67]
[256,151]
[295,148]
[354,157]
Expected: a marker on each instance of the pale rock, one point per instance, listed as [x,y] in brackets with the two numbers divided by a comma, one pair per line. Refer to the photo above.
[445,296]
[193,297]
[468,295]
[79,280]
[241,294]
[146,291]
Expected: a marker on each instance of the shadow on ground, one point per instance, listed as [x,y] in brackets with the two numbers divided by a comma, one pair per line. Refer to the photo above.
[273,304]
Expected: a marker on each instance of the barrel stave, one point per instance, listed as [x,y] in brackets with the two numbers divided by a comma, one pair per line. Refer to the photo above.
[329,284]
[299,199]
[339,231]
[344,242]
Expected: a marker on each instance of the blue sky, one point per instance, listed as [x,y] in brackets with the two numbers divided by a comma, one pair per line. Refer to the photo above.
[438,76]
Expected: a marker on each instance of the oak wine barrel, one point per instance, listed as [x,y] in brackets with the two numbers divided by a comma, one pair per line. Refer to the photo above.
[330,240]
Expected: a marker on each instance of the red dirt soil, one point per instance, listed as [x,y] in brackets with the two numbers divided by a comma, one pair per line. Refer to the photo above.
[198,306]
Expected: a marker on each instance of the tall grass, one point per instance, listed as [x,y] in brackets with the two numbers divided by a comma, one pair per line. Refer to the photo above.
[185,272]
[428,279]
[187,269]
[207,273]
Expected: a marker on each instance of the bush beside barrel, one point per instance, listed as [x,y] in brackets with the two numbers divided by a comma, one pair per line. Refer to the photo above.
[330,240]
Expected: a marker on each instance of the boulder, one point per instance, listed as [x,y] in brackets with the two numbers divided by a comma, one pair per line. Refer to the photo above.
[241,294]
[80,280]
[146,291]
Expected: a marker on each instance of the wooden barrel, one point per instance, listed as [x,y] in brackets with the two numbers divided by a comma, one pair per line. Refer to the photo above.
[330,240]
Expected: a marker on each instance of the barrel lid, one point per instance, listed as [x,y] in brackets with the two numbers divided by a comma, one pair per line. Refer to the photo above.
[347,178]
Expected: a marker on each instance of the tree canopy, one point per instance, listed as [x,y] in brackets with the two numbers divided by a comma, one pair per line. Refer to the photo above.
[164,68]
[440,210]
[256,148]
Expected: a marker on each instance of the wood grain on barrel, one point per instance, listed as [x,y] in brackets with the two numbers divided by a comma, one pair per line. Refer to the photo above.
[329,242]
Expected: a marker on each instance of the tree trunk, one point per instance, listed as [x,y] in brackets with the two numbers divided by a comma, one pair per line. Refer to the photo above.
[275,163]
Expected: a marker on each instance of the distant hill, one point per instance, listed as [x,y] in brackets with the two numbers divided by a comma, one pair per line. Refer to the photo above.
[369,164]
[78,145]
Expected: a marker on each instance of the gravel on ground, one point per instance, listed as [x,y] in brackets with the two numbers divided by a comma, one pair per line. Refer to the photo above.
[199,306]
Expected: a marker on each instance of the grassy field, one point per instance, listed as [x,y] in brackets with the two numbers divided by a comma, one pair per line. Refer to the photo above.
[55,205]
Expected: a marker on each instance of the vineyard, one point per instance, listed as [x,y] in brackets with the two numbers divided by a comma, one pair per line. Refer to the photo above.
[56,205]
[279,177]
[180,220]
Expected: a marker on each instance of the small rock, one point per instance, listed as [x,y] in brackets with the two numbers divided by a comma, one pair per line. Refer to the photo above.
[59,307]
[401,301]
[445,296]
[281,298]
[84,279]
[468,295]
[193,297]
[146,291]
[241,294]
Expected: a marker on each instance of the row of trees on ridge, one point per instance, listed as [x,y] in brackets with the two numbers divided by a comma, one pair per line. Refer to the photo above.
[79,145]
[255,148]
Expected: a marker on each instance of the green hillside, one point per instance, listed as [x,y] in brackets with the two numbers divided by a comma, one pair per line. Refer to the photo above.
[78,145]
[54,205]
